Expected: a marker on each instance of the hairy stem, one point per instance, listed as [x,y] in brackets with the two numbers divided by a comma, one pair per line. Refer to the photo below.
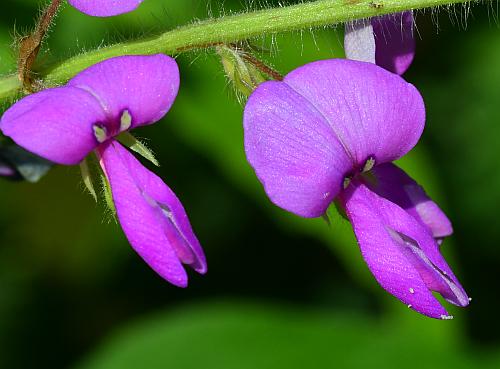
[29,45]
[230,29]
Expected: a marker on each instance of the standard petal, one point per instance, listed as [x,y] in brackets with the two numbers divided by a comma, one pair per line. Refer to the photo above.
[145,86]
[376,114]
[55,124]
[151,216]
[400,252]
[359,41]
[398,187]
[105,8]
[293,150]
[394,41]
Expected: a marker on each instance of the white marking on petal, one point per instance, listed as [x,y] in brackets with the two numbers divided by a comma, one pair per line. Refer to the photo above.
[359,41]
[179,243]
[412,246]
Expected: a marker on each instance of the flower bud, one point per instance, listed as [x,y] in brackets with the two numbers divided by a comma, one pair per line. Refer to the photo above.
[244,76]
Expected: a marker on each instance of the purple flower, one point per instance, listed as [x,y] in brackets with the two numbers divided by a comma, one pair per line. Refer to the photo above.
[387,41]
[105,8]
[65,124]
[329,132]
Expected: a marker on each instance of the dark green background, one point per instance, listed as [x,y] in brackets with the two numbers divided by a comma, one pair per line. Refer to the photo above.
[281,292]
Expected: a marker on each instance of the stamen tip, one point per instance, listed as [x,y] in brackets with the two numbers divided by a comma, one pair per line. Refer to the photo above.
[347,182]
[125,121]
[100,133]
[370,163]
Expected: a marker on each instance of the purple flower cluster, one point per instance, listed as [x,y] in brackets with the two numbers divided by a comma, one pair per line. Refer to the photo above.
[329,132]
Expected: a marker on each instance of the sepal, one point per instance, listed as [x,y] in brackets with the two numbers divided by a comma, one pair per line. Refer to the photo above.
[137,146]
[244,76]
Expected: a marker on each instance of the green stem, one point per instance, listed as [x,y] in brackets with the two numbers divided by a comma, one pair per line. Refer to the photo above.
[230,29]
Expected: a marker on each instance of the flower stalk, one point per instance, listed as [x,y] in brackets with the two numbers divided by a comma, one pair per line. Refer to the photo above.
[228,29]
[29,46]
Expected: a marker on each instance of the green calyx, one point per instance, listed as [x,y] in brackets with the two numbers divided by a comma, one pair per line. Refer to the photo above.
[244,75]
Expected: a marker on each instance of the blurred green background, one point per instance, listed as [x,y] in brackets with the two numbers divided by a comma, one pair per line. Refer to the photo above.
[281,292]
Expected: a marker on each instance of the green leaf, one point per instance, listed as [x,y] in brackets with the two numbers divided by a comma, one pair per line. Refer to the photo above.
[230,335]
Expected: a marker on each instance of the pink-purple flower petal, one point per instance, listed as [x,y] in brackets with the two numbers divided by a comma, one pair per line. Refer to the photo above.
[375,114]
[398,187]
[112,96]
[105,8]
[401,253]
[395,41]
[145,86]
[293,150]
[55,124]
[387,41]
[151,216]
[305,135]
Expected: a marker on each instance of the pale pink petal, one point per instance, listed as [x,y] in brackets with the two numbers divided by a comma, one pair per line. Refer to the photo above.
[359,41]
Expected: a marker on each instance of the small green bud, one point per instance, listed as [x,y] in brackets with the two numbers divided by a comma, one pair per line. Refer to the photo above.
[244,75]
